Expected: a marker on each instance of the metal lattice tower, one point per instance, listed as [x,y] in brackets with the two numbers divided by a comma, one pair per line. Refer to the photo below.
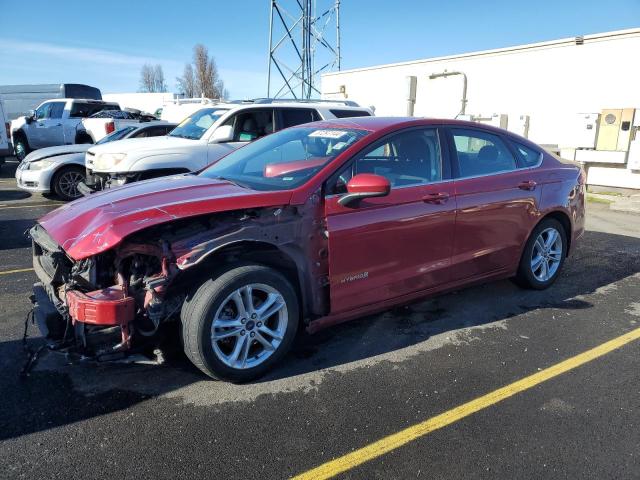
[299,46]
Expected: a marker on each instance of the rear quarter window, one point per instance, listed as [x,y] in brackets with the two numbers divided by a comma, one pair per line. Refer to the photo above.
[338,113]
[530,156]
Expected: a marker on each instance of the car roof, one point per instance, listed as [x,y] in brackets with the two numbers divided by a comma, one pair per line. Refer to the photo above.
[374,124]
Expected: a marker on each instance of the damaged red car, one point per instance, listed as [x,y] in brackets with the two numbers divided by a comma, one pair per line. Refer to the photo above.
[304,228]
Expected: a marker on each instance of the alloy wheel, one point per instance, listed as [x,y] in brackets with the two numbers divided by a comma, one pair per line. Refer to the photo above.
[546,255]
[249,326]
[21,151]
[68,184]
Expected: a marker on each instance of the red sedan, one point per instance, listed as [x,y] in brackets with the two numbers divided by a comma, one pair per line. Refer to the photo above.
[308,227]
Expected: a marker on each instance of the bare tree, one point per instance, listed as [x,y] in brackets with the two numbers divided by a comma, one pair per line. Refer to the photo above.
[187,83]
[147,78]
[208,81]
[202,78]
[152,79]
[158,81]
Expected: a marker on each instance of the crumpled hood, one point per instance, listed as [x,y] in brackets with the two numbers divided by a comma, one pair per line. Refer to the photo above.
[53,152]
[100,221]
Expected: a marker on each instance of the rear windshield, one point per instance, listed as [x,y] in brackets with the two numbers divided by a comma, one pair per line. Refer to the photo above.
[84,110]
[194,126]
[117,135]
[285,159]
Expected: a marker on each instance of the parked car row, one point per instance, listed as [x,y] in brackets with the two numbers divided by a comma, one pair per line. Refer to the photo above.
[204,137]
[61,169]
[305,227]
[66,122]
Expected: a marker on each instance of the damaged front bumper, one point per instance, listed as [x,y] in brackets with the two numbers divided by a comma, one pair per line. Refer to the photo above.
[93,323]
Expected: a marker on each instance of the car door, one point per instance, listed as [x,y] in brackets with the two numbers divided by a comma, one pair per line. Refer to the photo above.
[387,247]
[497,202]
[37,134]
[52,133]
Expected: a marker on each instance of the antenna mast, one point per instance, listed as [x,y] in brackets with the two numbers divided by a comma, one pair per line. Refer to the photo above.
[300,49]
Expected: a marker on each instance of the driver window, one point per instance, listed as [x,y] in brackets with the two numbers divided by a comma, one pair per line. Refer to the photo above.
[252,124]
[405,159]
[43,111]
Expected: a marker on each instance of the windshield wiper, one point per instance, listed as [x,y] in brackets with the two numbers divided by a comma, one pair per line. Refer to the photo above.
[235,182]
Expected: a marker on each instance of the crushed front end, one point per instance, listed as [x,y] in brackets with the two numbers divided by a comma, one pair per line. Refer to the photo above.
[97,306]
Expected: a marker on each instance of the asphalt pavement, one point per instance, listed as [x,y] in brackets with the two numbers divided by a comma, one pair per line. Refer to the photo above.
[346,387]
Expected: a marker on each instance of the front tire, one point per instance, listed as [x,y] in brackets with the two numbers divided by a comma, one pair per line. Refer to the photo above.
[21,147]
[543,255]
[65,182]
[237,326]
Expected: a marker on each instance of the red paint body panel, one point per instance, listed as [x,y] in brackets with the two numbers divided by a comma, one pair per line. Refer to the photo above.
[102,307]
[493,222]
[96,223]
[389,246]
[368,183]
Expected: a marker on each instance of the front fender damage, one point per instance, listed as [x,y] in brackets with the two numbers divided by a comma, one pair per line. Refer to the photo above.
[127,298]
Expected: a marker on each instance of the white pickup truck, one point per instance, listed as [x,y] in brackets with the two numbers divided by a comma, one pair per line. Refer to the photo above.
[5,148]
[59,122]
[204,137]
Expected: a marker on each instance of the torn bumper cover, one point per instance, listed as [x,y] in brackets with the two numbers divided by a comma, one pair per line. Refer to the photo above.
[67,316]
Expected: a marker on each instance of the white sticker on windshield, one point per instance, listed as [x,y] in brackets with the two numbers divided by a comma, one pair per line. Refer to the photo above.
[335,134]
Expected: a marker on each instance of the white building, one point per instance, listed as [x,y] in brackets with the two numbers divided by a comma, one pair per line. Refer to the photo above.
[147,102]
[547,84]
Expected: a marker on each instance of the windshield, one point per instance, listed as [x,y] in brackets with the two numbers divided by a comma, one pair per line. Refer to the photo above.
[117,135]
[194,126]
[285,159]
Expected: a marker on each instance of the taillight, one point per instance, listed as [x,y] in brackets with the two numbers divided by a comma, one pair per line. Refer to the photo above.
[110,127]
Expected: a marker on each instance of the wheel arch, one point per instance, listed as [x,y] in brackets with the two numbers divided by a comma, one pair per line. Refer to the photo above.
[22,134]
[83,134]
[564,220]
[252,251]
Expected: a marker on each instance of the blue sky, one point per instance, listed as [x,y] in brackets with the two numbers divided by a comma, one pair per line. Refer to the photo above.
[105,43]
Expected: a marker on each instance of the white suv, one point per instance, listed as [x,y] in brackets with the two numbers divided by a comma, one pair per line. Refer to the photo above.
[204,137]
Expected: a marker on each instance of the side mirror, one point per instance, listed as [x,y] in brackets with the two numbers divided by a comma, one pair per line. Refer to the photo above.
[31,116]
[365,185]
[223,133]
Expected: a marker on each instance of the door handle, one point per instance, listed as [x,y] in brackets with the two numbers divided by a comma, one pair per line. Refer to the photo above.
[58,124]
[437,198]
[528,185]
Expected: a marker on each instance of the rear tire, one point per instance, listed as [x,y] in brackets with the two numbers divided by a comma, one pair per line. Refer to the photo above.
[237,326]
[65,182]
[543,256]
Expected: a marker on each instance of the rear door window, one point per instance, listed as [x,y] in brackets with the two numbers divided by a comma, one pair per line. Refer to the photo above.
[84,110]
[338,113]
[291,117]
[481,153]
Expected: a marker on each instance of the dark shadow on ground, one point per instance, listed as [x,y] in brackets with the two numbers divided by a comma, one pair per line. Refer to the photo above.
[49,398]
[13,233]
[8,195]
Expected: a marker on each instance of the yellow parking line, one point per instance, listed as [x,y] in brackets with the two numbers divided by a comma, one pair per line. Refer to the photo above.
[18,270]
[403,437]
